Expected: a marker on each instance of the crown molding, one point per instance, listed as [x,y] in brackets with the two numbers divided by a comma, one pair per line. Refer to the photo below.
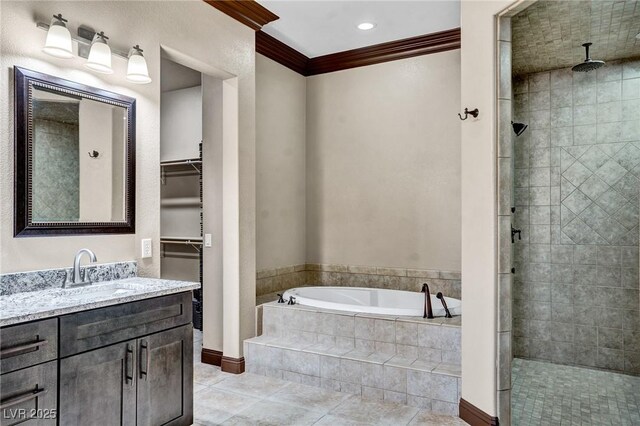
[383,52]
[278,51]
[248,12]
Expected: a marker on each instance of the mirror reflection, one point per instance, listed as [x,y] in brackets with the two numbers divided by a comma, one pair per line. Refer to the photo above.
[79,159]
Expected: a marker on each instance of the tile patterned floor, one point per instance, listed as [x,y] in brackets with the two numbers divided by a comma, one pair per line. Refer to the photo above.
[551,394]
[249,399]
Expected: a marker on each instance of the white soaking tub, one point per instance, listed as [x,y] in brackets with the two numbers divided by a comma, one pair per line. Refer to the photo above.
[371,300]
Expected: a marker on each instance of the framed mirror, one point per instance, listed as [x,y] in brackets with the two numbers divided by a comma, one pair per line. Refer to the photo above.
[74,158]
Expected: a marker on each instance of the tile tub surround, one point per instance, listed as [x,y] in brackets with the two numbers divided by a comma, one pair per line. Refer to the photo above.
[576,179]
[55,278]
[223,398]
[269,281]
[32,305]
[545,393]
[411,361]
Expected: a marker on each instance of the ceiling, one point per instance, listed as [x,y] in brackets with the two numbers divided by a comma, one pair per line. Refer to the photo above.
[319,27]
[549,34]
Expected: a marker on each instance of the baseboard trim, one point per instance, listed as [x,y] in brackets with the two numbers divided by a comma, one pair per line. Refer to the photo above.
[475,416]
[210,356]
[232,365]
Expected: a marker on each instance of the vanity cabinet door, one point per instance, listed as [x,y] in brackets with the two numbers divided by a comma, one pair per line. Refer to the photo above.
[165,378]
[99,387]
[28,396]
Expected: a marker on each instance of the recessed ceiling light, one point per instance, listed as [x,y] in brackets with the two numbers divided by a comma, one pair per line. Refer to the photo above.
[366,26]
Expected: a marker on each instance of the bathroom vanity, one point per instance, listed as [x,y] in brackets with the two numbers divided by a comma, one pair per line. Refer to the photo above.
[118,352]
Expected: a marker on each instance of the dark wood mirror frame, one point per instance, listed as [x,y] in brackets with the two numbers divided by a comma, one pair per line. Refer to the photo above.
[24,82]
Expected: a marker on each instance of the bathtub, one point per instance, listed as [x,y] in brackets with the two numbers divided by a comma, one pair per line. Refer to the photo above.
[371,300]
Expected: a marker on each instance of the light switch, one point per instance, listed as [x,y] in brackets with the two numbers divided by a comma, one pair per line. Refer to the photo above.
[207,240]
[147,248]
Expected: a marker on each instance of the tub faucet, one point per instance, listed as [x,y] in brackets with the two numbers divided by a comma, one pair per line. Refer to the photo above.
[76,275]
[428,312]
[444,304]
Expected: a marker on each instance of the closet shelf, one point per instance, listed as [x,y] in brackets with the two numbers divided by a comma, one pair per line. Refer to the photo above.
[192,166]
[192,241]
[185,162]
[181,202]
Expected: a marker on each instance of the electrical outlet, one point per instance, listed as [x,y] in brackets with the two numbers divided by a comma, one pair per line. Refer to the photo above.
[147,248]
[207,240]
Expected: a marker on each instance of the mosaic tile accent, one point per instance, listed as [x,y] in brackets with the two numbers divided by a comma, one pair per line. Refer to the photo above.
[551,394]
[269,281]
[21,282]
[550,34]
[576,291]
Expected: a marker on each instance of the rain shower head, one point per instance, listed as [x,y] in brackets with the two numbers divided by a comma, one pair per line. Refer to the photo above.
[588,64]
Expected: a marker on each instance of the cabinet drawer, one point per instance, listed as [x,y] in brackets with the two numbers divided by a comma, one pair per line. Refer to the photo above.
[93,329]
[28,344]
[29,395]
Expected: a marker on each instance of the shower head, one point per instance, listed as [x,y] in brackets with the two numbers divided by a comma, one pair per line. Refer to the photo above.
[519,128]
[588,64]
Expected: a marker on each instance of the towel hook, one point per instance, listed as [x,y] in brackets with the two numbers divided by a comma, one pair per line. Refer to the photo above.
[474,113]
[94,154]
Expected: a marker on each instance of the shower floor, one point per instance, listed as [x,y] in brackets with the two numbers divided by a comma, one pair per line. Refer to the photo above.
[551,394]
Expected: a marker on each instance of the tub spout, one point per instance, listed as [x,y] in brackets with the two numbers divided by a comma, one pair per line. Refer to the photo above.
[428,312]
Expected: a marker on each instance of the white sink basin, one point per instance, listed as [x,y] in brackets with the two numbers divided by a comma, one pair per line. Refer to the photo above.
[99,291]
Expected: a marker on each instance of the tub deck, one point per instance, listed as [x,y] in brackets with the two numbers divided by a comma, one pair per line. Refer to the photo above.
[408,360]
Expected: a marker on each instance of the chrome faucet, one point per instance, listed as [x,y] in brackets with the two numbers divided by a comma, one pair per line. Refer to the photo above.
[76,278]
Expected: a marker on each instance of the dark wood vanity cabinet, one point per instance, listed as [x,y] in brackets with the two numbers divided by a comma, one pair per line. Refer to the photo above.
[128,364]
[98,387]
[147,381]
[29,380]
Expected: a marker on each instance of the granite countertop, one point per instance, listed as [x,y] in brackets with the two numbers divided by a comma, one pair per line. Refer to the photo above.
[32,305]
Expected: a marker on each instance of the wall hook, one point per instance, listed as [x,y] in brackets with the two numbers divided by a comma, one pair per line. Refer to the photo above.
[94,154]
[474,113]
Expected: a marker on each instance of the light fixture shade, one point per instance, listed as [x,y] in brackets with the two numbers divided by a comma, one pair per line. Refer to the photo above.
[58,42]
[137,71]
[99,59]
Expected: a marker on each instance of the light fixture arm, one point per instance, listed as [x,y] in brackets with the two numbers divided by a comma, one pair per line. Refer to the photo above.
[60,18]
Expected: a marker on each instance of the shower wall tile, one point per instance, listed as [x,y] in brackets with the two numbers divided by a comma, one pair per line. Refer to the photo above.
[576,291]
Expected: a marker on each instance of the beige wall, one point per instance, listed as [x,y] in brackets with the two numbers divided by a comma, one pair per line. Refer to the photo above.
[280,165]
[215,44]
[214,39]
[478,81]
[96,177]
[383,164]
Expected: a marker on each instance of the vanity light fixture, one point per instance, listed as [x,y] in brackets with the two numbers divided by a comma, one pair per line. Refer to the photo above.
[137,71]
[58,43]
[100,55]
[92,46]
[365,26]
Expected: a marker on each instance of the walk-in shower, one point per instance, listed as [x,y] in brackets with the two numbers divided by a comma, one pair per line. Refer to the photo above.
[576,188]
